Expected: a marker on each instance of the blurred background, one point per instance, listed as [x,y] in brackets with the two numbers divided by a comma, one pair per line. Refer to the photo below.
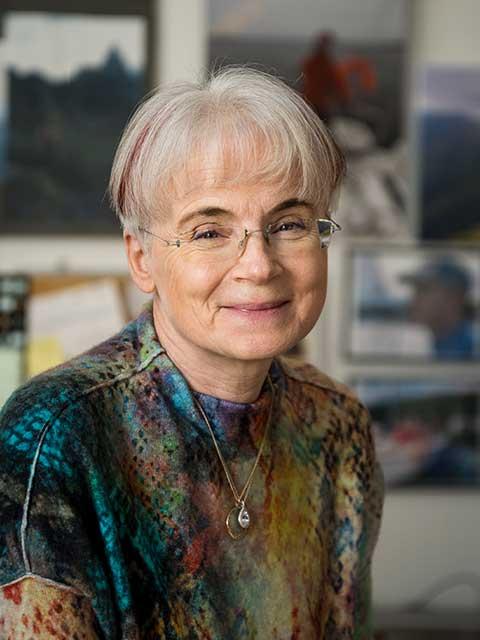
[398,82]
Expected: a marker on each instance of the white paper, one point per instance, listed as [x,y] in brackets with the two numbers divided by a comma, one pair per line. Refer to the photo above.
[77,317]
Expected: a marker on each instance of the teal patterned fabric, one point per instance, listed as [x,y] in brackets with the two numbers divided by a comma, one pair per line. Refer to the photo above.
[110,486]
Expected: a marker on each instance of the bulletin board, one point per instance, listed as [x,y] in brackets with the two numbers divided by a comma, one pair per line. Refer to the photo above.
[46,319]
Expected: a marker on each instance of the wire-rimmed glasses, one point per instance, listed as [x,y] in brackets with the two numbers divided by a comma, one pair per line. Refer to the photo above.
[227,241]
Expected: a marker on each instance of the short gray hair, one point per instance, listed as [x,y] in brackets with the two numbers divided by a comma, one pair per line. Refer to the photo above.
[241,111]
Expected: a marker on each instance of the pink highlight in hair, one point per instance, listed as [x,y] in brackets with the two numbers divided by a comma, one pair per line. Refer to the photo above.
[122,187]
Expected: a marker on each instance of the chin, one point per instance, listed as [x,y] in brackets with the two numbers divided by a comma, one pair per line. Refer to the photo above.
[258,347]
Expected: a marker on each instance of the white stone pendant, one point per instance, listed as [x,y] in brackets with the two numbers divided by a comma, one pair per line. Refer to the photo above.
[237,522]
[244,518]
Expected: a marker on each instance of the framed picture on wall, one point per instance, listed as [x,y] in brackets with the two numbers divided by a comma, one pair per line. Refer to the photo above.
[427,432]
[64,100]
[448,151]
[349,60]
[413,304]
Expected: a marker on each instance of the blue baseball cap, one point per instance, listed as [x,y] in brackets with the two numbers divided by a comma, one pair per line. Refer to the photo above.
[445,271]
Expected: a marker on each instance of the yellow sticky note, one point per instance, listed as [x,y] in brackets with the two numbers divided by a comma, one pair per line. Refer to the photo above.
[42,354]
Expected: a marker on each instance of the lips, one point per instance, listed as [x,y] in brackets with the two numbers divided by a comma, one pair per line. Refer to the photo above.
[257,306]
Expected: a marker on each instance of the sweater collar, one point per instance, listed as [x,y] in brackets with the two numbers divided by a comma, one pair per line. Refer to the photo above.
[150,352]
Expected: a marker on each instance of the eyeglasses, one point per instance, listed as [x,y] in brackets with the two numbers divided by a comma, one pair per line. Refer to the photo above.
[223,241]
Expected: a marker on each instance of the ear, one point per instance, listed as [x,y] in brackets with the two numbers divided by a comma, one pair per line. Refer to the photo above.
[138,263]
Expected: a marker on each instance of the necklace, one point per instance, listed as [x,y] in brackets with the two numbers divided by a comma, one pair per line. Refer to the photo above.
[243,516]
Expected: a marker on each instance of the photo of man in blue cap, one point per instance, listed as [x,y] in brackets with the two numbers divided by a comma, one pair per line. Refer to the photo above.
[441,302]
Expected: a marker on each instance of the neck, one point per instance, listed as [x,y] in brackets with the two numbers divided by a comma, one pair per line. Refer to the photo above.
[209,372]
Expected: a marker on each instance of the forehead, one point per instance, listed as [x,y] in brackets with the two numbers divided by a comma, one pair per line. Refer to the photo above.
[227,167]
[208,184]
[219,183]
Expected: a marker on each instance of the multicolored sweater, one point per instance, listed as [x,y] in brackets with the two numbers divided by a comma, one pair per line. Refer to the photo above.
[113,504]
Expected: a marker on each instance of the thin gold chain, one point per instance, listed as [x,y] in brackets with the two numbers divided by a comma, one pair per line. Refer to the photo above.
[240,498]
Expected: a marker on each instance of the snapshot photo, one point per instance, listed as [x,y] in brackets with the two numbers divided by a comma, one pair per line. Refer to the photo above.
[349,60]
[426,432]
[413,304]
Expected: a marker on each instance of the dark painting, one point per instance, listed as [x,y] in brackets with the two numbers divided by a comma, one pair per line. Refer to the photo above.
[60,130]
[449,153]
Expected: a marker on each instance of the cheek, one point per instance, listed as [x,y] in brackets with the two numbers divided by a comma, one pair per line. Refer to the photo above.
[312,301]
[310,292]
[312,280]
[180,284]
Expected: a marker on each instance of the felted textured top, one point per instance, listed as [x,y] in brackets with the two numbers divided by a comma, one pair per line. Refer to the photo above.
[113,504]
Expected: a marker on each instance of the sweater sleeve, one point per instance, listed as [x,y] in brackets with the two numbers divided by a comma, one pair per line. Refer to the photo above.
[358,512]
[49,527]
[35,608]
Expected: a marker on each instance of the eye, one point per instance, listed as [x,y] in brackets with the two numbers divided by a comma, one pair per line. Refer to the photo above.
[205,235]
[211,232]
[290,224]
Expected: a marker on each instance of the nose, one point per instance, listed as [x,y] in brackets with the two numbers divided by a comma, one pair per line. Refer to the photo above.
[256,260]
[243,242]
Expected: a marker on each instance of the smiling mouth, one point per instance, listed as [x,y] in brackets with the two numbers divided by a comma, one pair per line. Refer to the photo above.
[258,306]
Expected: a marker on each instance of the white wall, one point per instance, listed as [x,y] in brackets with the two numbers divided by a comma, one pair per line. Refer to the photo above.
[427,536]
[182,39]
[446,31]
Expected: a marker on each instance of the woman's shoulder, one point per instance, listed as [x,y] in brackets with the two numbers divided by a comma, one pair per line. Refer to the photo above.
[53,440]
[313,392]
[54,436]
[344,420]
[309,376]
[65,389]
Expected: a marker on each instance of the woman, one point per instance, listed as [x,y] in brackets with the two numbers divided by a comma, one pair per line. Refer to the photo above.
[182,479]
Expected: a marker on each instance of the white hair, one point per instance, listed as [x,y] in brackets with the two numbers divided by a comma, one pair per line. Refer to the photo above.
[249,120]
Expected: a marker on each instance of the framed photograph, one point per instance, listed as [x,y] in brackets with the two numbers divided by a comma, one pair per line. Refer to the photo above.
[64,100]
[448,150]
[413,304]
[348,59]
[427,432]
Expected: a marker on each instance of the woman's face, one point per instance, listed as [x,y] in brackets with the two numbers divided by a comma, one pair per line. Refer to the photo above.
[218,306]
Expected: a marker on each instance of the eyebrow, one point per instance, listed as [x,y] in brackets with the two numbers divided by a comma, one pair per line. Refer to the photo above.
[217,211]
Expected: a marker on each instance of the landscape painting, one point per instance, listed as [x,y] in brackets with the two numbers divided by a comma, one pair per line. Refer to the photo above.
[64,100]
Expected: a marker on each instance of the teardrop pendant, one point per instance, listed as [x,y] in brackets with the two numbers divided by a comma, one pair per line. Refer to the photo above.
[244,518]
